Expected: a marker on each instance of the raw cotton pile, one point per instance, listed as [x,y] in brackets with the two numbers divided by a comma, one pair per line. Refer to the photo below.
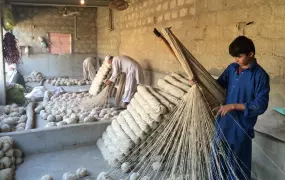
[67,82]
[10,158]
[101,75]
[12,118]
[34,77]
[134,125]
[64,109]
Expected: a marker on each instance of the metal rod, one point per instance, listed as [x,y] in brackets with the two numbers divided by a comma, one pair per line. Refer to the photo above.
[55,5]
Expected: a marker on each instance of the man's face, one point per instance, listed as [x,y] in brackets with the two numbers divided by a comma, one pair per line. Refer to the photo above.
[243,59]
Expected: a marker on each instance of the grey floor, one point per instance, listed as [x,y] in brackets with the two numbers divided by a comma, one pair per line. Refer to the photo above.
[58,162]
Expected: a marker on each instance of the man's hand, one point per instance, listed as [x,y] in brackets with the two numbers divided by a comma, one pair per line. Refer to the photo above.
[193,82]
[226,109]
[108,82]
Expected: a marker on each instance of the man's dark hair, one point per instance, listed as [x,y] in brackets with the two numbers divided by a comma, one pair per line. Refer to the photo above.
[241,45]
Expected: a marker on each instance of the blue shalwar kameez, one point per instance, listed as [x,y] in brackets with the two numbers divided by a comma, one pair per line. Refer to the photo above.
[251,88]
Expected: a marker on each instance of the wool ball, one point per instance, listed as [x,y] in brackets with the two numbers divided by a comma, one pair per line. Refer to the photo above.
[9,153]
[21,110]
[6,162]
[58,118]
[19,160]
[126,167]
[83,116]
[81,172]
[14,114]
[107,116]
[51,118]
[71,121]
[18,153]
[89,119]
[61,123]
[69,176]
[74,116]
[134,176]
[45,116]
[6,174]
[21,125]
[38,109]
[50,124]
[23,119]
[156,166]
[42,112]
[6,139]
[6,147]
[6,110]
[46,177]
[104,176]
[5,128]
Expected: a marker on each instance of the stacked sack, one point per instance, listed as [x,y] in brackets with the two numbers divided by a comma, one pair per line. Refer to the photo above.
[146,110]
[101,75]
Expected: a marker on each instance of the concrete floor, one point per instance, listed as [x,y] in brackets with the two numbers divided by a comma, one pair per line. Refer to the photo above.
[58,162]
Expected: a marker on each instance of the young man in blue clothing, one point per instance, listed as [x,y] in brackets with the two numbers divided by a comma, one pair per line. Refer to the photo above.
[247,95]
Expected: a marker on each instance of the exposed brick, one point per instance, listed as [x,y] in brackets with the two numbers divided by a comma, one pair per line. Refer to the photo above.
[165,6]
[167,16]
[160,18]
[158,8]
[183,12]
[180,2]
[174,14]
[172,4]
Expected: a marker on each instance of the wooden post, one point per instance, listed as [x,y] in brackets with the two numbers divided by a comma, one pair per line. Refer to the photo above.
[2,64]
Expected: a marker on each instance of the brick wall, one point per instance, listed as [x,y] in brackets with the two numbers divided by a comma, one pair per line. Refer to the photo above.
[206,27]
[33,22]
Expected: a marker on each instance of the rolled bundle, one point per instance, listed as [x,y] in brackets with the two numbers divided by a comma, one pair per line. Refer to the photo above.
[180,78]
[162,99]
[98,80]
[177,83]
[121,120]
[142,112]
[152,101]
[169,88]
[121,145]
[142,124]
[169,97]
[133,125]
[111,147]
[148,109]
[104,150]
[121,134]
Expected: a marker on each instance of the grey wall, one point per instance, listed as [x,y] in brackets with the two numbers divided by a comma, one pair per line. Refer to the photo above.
[54,65]
[33,22]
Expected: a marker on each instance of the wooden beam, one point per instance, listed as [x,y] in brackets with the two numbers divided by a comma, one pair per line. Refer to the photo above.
[2,65]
